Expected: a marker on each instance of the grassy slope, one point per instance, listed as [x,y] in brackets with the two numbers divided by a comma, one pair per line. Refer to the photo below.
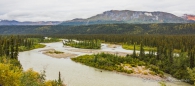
[146,48]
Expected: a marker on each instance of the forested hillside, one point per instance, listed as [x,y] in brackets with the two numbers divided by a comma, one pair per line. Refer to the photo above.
[102,29]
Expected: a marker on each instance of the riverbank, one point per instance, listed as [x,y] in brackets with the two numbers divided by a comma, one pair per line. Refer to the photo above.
[96,51]
[35,46]
[112,45]
[144,74]
[125,65]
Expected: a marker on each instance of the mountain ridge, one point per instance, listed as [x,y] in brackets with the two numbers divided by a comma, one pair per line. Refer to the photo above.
[115,17]
[128,16]
[189,17]
[14,22]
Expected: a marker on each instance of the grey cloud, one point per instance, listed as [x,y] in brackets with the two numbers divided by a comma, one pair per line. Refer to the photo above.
[61,10]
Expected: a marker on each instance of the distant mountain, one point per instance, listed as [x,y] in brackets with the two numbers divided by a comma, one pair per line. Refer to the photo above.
[115,17]
[13,22]
[189,17]
[127,16]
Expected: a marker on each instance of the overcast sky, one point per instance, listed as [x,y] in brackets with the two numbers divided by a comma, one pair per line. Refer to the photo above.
[61,10]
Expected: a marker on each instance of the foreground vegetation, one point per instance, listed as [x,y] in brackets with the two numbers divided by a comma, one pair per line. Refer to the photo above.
[11,73]
[85,44]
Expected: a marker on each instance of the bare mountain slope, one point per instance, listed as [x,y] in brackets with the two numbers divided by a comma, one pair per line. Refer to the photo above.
[127,16]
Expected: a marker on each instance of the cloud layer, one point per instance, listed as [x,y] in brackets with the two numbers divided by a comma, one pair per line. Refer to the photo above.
[61,10]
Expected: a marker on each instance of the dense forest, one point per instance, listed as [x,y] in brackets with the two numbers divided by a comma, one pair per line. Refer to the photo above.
[101,29]
[11,73]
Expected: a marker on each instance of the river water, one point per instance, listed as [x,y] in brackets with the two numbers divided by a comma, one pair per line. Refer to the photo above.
[76,74]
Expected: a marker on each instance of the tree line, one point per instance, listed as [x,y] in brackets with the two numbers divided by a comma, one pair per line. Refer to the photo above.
[85,44]
[10,45]
[165,28]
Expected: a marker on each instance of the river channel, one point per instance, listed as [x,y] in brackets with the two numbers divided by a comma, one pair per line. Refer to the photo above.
[76,74]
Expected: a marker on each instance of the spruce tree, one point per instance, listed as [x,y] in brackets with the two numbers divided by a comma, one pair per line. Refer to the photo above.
[1,50]
[16,51]
[142,53]
[134,51]
[171,55]
[59,79]
[7,48]
[192,59]
[12,47]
